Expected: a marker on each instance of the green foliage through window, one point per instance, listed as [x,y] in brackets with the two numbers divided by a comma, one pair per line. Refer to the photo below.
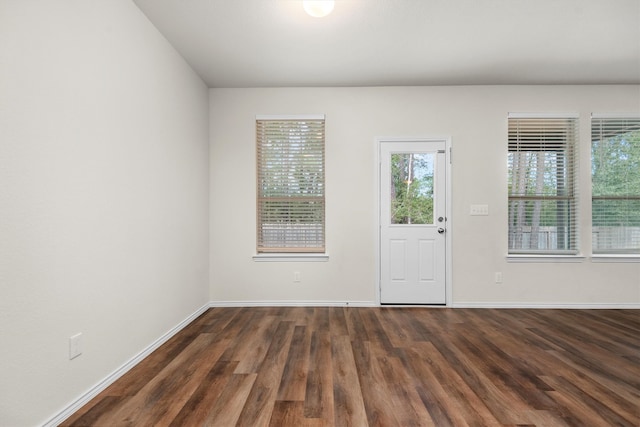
[290,185]
[412,188]
[615,180]
[542,167]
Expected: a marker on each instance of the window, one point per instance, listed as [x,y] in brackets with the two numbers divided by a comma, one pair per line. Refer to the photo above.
[615,179]
[412,179]
[290,184]
[543,196]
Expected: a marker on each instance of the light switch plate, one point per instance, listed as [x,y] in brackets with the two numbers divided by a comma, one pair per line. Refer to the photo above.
[482,210]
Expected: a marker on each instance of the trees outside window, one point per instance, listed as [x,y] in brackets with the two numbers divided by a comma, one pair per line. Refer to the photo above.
[412,188]
[543,195]
[615,180]
[290,185]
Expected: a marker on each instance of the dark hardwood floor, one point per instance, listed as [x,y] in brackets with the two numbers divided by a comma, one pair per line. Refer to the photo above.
[335,366]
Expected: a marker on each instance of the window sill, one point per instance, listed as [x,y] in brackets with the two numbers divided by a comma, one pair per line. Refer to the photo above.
[545,258]
[277,257]
[615,258]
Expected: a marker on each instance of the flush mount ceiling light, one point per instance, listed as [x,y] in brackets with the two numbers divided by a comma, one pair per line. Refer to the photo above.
[318,8]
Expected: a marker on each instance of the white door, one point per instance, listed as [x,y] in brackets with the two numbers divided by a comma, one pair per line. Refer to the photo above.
[413,222]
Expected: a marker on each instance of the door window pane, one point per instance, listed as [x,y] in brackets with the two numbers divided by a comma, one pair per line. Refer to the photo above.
[412,188]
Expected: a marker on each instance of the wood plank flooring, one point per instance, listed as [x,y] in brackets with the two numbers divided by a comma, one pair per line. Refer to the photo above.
[335,366]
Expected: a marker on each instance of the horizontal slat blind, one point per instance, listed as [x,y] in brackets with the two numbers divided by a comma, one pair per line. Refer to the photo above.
[542,165]
[290,185]
[615,178]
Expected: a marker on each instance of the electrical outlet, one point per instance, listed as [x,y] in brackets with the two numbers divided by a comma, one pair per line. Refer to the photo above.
[498,277]
[75,346]
[296,276]
[477,210]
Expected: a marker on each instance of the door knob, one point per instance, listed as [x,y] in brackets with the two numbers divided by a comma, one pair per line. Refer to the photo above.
[440,230]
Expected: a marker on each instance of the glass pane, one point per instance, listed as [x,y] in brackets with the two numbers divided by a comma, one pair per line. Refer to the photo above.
[616,225]
[412,188]
[615,162]
[540,225]
[538,173]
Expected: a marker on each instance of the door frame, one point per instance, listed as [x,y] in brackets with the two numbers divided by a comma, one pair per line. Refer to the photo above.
[449,216]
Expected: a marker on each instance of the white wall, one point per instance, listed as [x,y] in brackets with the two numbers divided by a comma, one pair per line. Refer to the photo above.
[103,196]
[476,120]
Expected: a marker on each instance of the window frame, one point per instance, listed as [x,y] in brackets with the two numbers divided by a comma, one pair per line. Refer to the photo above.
[283,250]
[571,170]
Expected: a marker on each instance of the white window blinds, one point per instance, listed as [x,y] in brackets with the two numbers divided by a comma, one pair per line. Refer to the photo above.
[615,179]
[542,175]
[290,185]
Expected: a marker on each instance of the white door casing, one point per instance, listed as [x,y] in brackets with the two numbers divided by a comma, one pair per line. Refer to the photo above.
[413,221]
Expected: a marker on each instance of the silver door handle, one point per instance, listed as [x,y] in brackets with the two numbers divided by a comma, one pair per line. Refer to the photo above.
[440,230]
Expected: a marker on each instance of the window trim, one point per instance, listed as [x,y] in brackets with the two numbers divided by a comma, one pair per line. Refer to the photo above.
[615,258]
[299,117]
[555,258]
[290,257]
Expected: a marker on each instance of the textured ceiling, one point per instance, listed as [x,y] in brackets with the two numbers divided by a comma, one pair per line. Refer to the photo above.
[267,43]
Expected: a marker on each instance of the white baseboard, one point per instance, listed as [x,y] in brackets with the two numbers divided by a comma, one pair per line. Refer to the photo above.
[111,378]
[541,305]
[544,305]
[293,304]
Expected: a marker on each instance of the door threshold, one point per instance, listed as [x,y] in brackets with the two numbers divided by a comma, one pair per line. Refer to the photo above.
[397,304]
